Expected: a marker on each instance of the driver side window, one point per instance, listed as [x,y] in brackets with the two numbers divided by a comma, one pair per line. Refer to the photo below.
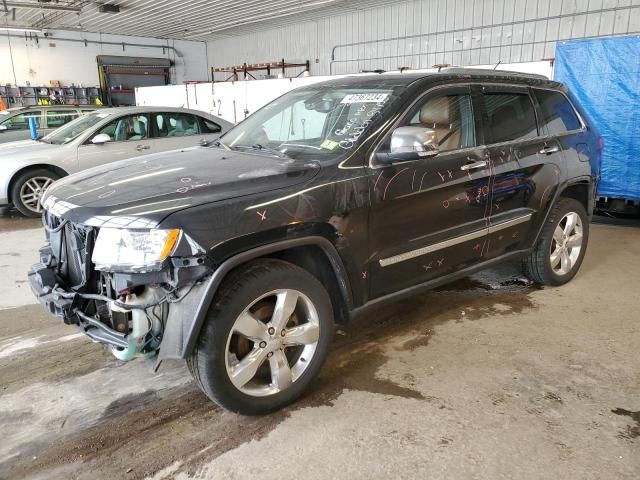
[451,117]
[129,127]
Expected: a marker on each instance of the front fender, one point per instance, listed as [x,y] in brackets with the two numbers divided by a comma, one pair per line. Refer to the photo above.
[186,318]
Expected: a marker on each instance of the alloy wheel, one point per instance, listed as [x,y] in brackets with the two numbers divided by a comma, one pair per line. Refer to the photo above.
[566,244]
[32,190]
[272,342]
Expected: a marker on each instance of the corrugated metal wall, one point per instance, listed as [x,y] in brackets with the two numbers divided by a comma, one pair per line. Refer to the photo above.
[422,33]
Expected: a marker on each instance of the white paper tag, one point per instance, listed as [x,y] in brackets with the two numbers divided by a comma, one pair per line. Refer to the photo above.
[365,98]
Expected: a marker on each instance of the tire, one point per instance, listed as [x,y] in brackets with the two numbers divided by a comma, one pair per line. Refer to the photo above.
[31,185]
[216,362]
[539,266]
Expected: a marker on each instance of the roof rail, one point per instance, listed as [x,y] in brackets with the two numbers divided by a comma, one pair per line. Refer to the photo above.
[491,72]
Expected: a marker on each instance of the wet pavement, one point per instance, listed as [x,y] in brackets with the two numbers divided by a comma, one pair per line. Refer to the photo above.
[488,377]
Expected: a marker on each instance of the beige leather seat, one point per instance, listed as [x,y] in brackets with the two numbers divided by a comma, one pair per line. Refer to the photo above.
[440,115]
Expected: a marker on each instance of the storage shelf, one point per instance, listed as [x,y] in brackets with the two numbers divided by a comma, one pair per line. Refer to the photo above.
[37,95]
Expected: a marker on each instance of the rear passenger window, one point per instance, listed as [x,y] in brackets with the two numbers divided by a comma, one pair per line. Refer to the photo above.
[558,115]
[209,126]
[510,116]
[175,124]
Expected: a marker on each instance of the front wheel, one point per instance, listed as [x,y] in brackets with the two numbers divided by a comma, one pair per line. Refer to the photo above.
[28,189]
[560,250]
[265,338]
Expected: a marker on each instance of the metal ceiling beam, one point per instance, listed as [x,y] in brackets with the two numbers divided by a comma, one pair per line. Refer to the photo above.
[156,21]
[198,20]
[51,17]
[43,6]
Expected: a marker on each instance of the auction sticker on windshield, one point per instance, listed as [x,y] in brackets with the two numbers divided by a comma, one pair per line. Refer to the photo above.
[365,98]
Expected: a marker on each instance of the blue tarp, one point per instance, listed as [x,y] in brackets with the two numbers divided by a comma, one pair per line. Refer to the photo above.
[604,75]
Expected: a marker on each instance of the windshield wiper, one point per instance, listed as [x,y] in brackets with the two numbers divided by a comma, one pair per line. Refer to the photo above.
[256,147]
[40,138]
[219,144]
[273,151]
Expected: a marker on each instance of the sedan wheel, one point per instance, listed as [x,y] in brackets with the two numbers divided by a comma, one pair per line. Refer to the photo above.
[32,191]
[28,189]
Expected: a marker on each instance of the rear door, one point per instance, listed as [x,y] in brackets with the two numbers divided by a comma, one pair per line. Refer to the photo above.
[174,130]
[129,138]
[428,217]
[526,166]
[559,122]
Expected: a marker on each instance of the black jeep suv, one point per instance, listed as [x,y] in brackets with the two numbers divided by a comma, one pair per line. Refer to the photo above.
[239,256]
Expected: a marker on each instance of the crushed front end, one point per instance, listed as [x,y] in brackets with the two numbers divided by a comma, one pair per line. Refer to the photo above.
[120,286]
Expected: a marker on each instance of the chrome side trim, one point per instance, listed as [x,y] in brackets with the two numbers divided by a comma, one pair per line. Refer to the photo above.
[509,223]
[385,262]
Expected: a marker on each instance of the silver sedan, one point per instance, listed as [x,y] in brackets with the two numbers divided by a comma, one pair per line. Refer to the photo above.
[108,135]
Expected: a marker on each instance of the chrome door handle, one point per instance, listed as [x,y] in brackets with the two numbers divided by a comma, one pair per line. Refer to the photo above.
[142,147]
[549,150]
[474,165]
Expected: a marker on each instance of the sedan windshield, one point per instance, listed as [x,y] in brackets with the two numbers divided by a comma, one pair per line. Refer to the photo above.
[74,129]
[315,122]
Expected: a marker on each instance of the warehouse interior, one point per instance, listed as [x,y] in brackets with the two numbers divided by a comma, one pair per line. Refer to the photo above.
[151,202]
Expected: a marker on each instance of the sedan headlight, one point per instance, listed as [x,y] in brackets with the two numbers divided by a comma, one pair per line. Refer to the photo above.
[133,250]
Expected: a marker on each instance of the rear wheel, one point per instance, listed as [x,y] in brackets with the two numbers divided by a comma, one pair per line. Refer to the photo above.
[265,338]
[29,188]
[559,253]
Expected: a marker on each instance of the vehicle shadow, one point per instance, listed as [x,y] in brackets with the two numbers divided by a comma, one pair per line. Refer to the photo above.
[11,220]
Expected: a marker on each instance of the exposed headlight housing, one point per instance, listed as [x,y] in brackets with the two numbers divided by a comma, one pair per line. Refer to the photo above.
[119,249]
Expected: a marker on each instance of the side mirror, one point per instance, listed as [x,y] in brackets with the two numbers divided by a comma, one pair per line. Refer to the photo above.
[3,128]
[410,143]
[100,139]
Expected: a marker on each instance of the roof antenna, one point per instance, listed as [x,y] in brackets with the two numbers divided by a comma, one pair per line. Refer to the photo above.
[499,62]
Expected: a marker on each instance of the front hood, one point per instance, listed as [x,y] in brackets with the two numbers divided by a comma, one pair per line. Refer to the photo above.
[23,148]
[147,189]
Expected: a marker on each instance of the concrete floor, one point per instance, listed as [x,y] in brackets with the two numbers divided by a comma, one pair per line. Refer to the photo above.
[482,379]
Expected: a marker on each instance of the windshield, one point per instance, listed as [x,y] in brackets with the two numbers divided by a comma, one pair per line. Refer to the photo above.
[318,122]
[74,129]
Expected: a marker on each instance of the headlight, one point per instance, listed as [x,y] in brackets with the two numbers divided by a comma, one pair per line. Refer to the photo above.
[133,250]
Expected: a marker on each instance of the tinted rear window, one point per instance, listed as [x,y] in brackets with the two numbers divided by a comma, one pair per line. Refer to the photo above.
[558,115]
[510,116]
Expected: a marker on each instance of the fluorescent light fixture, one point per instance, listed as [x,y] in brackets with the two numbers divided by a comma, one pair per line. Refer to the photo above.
[21,29]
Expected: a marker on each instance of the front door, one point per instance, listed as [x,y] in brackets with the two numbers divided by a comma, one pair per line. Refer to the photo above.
[16,127]
[428,217]
[129,138]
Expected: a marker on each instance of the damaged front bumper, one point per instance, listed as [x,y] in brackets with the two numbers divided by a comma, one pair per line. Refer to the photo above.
[150,313]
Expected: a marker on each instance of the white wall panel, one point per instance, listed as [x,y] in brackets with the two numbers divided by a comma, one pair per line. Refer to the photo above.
[73,62]
[420,33]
